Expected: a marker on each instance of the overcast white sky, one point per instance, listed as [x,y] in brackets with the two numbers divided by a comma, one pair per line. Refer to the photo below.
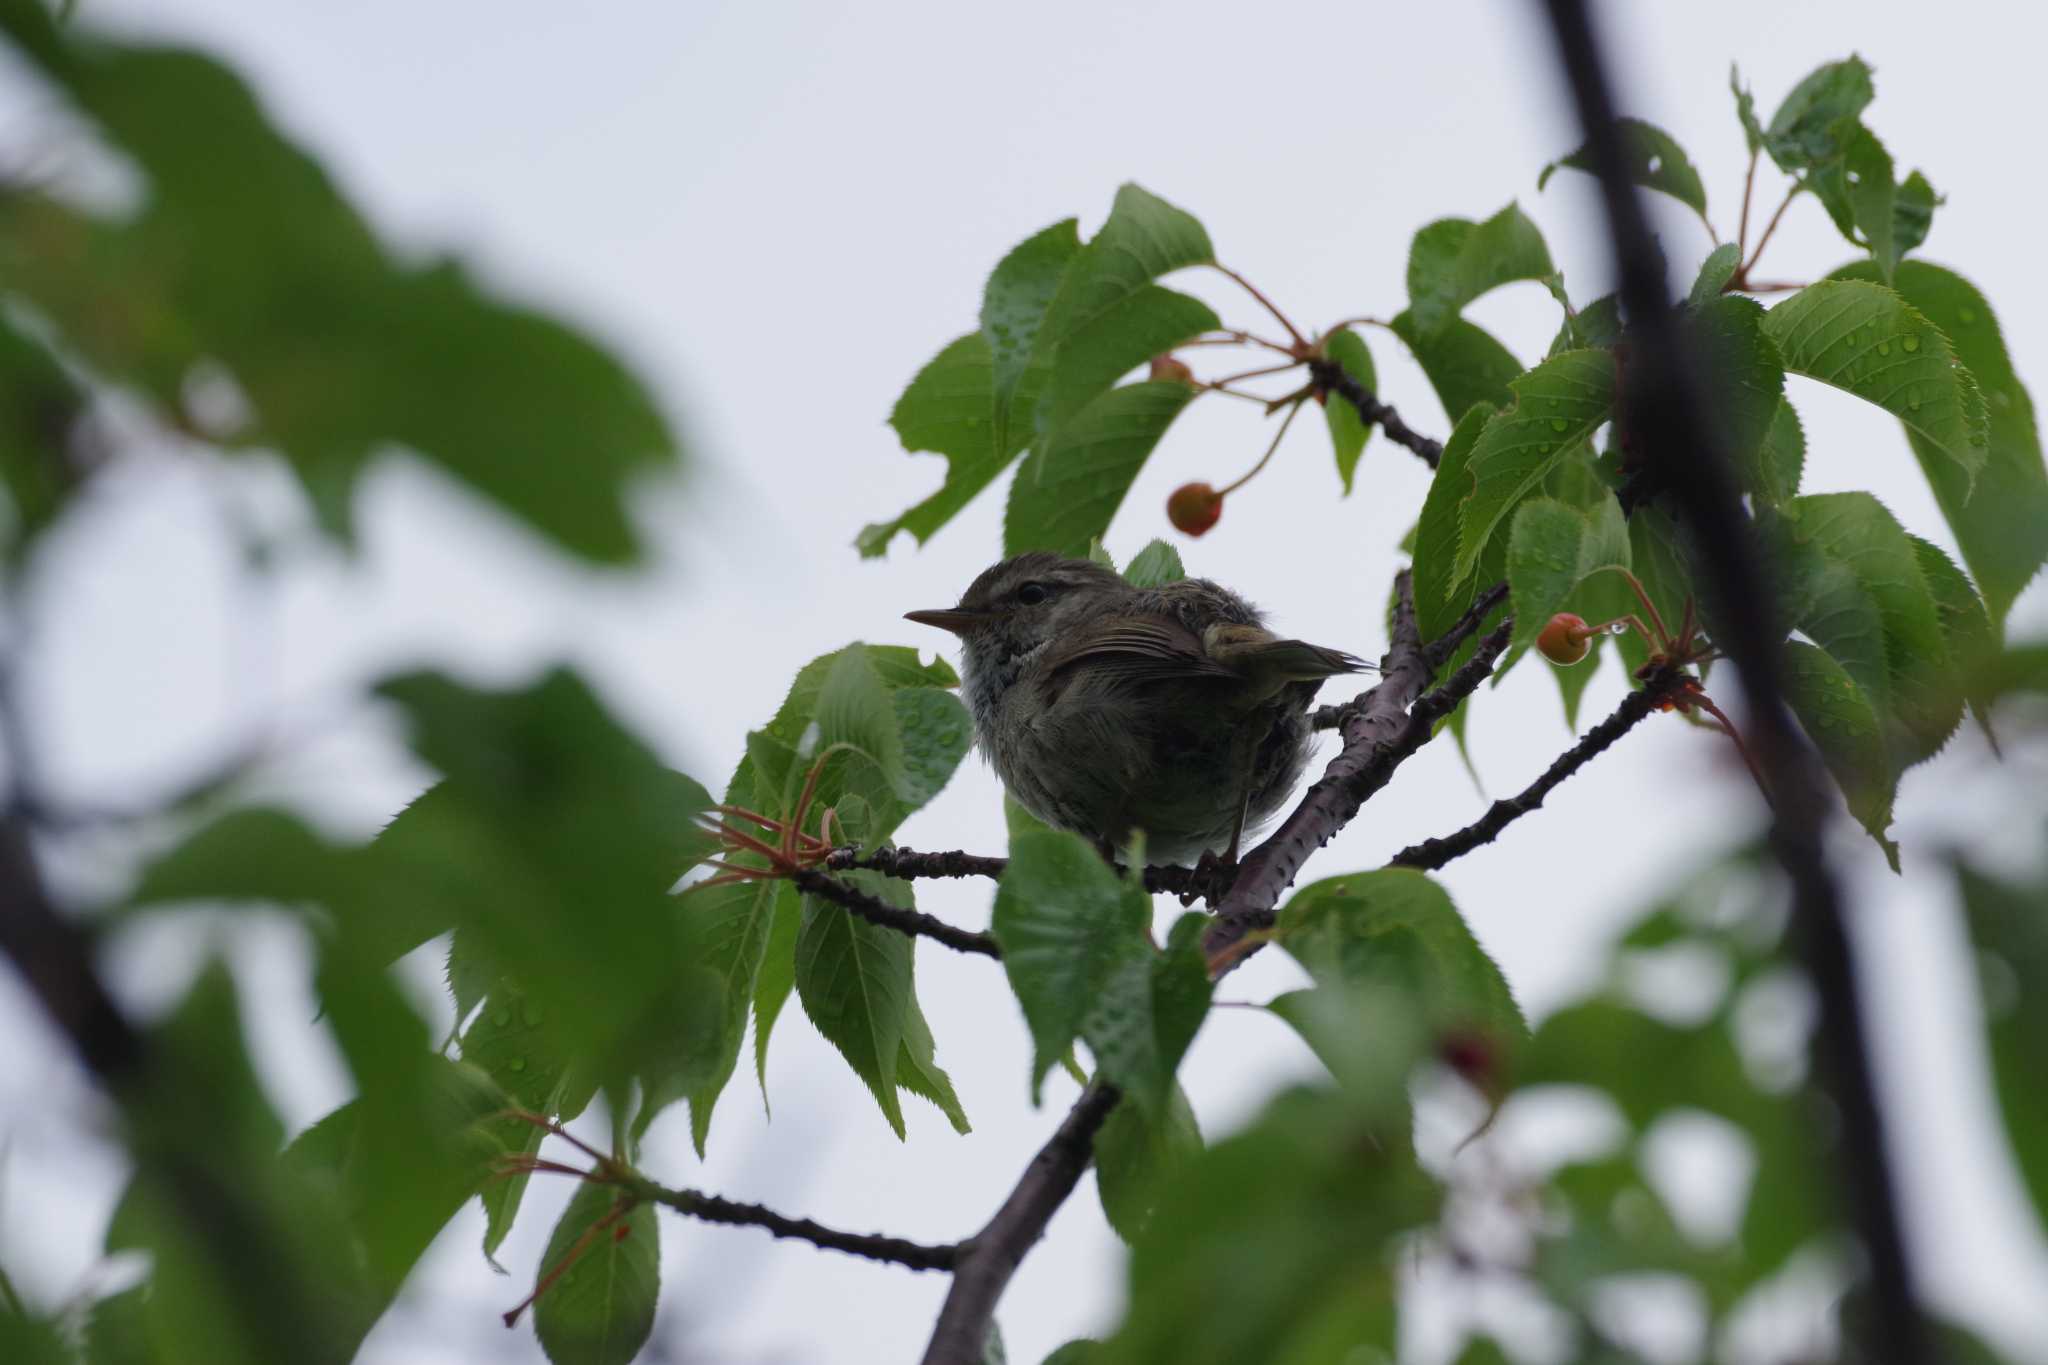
[779,212]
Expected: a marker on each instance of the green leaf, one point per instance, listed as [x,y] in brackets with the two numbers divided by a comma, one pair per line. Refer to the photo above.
[1558,405]
[1865,339]
[1441,595]
[2009,925]
[1149,1009]
[1867,170]
[854,979]
[39,410]
[947,409]
[1818,119]
[1148,322]
[2001,527]
[1553,548]
[1597,324]
[1715,272]
[1138,1158]
[855,709]
[1398,928]
[1772,475]
[245,255]
[1455,260]
[1144,237]
[771,990]
[1068,926]
[1965,626]
[1462,362]
[1655,161]
[1745,111]
[1348,431]
[1012,307]
[1068,490]
[1857,590]
[1155,565]
[1913,208]
[1843,724]
[601,1311]
[1080,1351]
[1744,375]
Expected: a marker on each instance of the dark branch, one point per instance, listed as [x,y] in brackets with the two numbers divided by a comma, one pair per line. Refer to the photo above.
[989,1258]
[909,864]
[877,911]
[1434,653]
[1334,377]
[713,1209]
[1665,411]
[1382,728]
[1432,854]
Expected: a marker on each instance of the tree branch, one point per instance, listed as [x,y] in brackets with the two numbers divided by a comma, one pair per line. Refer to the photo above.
[909,864]
[989,1258]
[1383,727]
[874,1246]
[1334,377]
[1432,854]
[877,911]
[1666,411]
[1434,653]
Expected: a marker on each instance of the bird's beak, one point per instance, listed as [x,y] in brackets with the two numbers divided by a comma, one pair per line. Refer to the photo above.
[959,620]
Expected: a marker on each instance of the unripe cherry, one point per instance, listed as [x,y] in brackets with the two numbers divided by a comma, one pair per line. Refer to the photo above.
[1194,507]
[1566,640]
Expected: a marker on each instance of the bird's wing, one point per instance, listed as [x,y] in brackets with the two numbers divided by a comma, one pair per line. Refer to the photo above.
[1252,652]
[1134,650]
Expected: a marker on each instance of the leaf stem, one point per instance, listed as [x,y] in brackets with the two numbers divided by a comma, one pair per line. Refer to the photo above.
[1301,344]
[1278,436]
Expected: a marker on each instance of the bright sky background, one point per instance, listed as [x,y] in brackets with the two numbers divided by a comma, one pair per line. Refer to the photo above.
[778,213]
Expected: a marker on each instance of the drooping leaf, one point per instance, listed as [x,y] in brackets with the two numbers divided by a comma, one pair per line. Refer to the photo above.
[1150,1007]
[1143,238]
[1744,376]
[1745,111]
[1148,322]
[1068,491]
[600,1311]
[1558,405]
[1552,548]
[1843,724]
[1598,324]
[1348,431]
[1655,161]
[1965,626]
[1441,593]
[1138,1157]
[1013,305]
[1816,121]
[1462,362]
[2000,519]
[948,410]
[1715,272]
[1157,564]
[1455,260]
[1774,472]
[1398,926]
[1865,339]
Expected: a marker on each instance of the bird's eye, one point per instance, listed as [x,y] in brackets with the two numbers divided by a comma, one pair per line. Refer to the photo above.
[1031,594]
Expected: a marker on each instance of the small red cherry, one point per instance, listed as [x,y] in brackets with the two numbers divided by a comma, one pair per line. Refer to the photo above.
[1566,640]
[1194,507]
[1168,368]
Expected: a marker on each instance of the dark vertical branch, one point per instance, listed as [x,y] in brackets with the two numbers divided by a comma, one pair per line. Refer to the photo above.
[1666,417]
[987,1260]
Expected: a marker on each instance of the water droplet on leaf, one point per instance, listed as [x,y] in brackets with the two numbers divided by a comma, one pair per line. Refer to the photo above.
[1911,343]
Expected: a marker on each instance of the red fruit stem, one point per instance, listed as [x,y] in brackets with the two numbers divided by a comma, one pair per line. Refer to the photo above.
[1287,422]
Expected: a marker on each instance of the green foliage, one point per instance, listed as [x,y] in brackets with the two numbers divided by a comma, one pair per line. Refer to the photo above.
[601,1310]
[1067,491]
[1462,362]
[1655,161]
[1348,431]
[1455,260]
[1139,1156]
[2008,923]
[1558,406]
[1552,549]
[1154,565]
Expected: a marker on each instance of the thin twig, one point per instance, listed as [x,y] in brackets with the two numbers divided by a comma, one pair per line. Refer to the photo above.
[989,1258]
[874,1246]
[1436,652]
[1432,854]
[1300,341]
[909,865]
[877,911]
[1669,409]
[1338,380]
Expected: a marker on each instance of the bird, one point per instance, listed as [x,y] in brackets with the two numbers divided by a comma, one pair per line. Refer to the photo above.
[1107,708]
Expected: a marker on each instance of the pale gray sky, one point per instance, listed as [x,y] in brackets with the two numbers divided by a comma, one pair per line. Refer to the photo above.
[779,212]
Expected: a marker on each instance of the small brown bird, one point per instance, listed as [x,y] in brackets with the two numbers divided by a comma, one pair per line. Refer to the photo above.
[1108,708]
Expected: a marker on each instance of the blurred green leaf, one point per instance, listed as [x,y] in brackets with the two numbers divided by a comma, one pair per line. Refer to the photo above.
[1655,161]
[601,1311]
[1558,405]
[1138,1157]
[245,255]
[2000,518]
[1865,339]
[1817,120]
[1746,379]
[1598,324]
[1149,321]
[1148,1011]
[40,407]
[1965,626]
[1348,431]
[2009,926]
[1069,489]
[1843,723]
[1441,592]
[1455,260]
[1715,272]
[1462,362]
